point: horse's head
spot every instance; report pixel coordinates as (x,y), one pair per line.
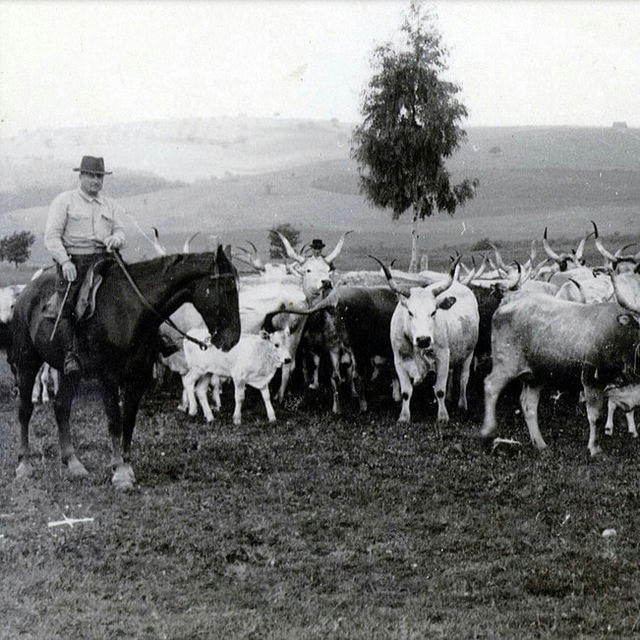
(215,296)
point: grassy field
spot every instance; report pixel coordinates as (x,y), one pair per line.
(320,527)
(317,527)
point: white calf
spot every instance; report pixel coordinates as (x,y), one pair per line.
(626,398)
(253,361)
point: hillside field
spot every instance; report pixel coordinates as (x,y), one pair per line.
(254,174)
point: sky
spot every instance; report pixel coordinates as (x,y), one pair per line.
(523,62)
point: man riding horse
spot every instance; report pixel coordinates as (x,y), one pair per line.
(117,341)
(81,227)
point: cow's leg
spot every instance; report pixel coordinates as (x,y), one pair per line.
(395,390)
(55,378)
(285,376)
(594,398)
(184,400)
(25,378)
(37,391)
(357,383)
(46,374)
(336,380)
(202,389)
(216,384)
(631,423)
(465,371)
(266,398)
(189,380)
(611,408)
(406,390)
(315,377)
(239,387)
(494,383)
(529,400)
(440,387)
(62,409)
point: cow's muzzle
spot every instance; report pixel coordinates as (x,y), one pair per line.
(423,342)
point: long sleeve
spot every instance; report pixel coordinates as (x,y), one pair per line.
(56,223)
(118,227)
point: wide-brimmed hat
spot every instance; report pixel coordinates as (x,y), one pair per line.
(317,244)
(89,164)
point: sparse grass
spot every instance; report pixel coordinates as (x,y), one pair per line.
(319,527)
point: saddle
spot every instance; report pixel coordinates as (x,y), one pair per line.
(85,302)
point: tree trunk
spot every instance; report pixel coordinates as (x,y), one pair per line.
(413,265)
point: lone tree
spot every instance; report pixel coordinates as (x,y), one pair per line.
(410,127)
(276,248)
(16,248)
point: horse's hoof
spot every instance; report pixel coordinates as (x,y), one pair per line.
(123,478)
(76,468)
(24,470)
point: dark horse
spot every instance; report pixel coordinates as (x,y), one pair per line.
(119,342)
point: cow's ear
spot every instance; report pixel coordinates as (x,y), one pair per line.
(626,319)
(447,303)
(264,334)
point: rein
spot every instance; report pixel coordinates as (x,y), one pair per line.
(147,305)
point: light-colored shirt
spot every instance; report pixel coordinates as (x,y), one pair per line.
(78,223)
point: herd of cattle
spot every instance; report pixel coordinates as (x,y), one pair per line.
(554,323)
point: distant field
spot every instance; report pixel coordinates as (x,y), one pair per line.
(263,173)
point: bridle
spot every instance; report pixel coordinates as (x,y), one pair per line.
(149,307)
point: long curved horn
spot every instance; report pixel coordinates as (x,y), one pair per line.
(580,249)
(336,252)
(403,291)
(620,251)
(548,250)
(441,287)
(291,252)
(253,256)
(535,271)
(187,242)
(499,260)
(583,298)
(513,282)
(160,250)
(599,246)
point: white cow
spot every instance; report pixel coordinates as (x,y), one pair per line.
(8,297)
(252,361)
(434,327)
(627,398)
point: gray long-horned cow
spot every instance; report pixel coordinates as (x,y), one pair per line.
(543,340)
(316,282)
(433,328)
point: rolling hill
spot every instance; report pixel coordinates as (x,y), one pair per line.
(245,175)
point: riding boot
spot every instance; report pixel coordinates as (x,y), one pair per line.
(69,340)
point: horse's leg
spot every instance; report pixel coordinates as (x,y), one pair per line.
(62,410)
(133,391)
(25,379)
(111,401)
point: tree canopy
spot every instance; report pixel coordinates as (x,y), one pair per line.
(16,248)
(411,125)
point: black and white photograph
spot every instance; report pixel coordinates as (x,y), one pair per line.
(319,319)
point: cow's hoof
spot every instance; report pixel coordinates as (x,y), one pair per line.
(24,470)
